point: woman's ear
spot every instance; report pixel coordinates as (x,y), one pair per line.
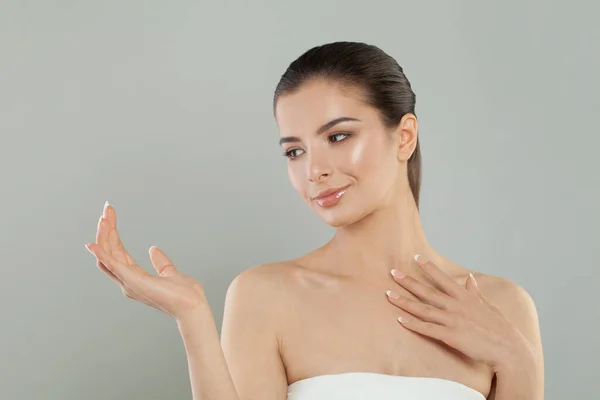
(407,132)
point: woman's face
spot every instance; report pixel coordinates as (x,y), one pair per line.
(356,156)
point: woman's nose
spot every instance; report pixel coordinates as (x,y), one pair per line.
(319,167)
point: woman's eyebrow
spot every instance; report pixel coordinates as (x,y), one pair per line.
(323,128)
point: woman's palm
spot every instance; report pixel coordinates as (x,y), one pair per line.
(170,291)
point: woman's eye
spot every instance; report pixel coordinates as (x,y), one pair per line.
(339,134)
(291,153)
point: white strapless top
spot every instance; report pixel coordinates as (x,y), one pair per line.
(376,386)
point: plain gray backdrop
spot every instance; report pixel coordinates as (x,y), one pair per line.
(164,109)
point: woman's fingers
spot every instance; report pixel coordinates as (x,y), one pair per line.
(102,240)
(107,241)
(108,273)
(424,311)
(429,329)
(126,274)
(424,292)
(442,280)
(102,235)
(113,240)
(161,262)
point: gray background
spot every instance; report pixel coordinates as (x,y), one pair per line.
(164,109)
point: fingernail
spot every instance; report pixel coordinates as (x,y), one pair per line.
(403,319)
(419,260)
(392,294)
(473,279)
(88,248)
(398,274)
(104,210)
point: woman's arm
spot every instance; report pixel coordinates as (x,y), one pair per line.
(209,375)
(250,337)
(182,298)
(519,382)
(515,378)
(248,353)
(255,310)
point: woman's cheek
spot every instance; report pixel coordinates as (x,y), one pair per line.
(363,156)
(357,153)
(296,180)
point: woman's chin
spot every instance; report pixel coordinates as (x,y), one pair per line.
(337,218)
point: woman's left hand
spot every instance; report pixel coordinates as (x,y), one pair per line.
(460,317)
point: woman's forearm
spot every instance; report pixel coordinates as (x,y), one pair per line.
(209,375)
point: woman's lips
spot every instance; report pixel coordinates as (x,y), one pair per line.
(331,199)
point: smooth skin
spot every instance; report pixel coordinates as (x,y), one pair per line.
(465,320)
(325,312)
(174,293)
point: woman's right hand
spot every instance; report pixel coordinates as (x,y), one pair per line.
(171,291)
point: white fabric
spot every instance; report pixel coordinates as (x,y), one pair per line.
(375,386)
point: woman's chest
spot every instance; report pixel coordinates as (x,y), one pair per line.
(336,331)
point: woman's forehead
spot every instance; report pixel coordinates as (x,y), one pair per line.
(308,108)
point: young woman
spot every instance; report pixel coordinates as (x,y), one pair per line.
(363,316)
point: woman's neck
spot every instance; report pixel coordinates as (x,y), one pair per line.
(387,238)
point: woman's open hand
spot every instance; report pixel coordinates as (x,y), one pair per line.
(460,317)
(171,291)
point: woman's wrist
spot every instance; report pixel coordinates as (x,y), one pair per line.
(518,380)
(518,354)
(193,316)
(520,363)
(209,374)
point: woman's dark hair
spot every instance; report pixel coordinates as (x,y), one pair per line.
(378,76)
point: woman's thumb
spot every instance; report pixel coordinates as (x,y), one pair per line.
(161,262)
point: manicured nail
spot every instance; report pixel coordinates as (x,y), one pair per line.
(403,320)
(398,274)
(392,294)
(104,211)
(473,279)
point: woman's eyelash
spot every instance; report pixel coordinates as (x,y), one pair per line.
(346,134)
(339,134)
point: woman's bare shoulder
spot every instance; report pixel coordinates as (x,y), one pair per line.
(286,271)
(501,292)
(269,279)
(512,300)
